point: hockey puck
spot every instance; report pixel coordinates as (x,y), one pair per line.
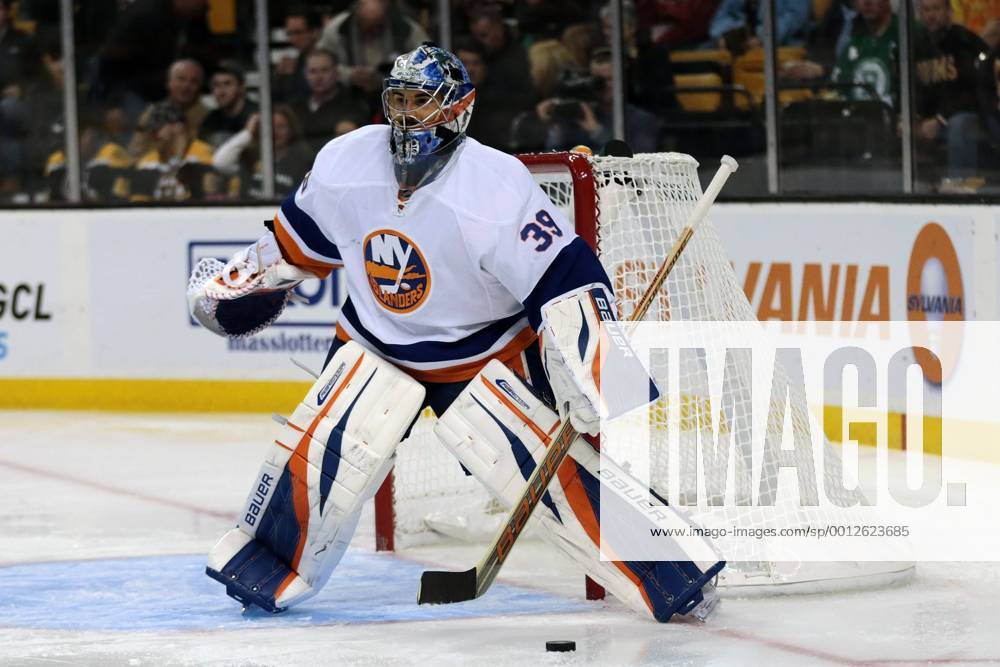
(560,646)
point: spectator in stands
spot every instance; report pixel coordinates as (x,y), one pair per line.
(981,17)
(955,92)
(738,25)
(46,119)
(21,72)
(581,113)
(825,43)
(106,164)
(677,24)
(184,82)
(506,58)
(366,40)
(178,166)
(241,154)
(20,59)
(495,109)
(871,57)
(549,61)
(147,38)
(233,110)
(581,39)
(545,19)
(648,70)
(303,26)
(331,108)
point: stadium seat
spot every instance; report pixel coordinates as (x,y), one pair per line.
(748,71)
(701,101)
(719,56)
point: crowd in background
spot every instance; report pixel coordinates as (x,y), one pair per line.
(168,91)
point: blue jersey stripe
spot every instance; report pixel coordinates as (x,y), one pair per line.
(474,344)
(308,230)
(576,265)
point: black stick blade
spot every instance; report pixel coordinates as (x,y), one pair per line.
(447,587)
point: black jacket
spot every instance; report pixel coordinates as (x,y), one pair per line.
(953,73)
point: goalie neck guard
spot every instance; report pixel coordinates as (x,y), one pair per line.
(427,99)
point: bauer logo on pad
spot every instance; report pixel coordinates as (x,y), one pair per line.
(507,389)
(325,391)
(397,271)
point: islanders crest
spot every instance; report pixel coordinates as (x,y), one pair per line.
(397,271)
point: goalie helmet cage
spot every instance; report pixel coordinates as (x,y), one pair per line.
(630,210)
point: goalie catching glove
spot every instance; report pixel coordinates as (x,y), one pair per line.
(245,295)
(571,340)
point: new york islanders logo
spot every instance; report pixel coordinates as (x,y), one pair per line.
(397,271)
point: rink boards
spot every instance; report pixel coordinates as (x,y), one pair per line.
(93,313)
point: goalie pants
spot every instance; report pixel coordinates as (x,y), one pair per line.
(440,395)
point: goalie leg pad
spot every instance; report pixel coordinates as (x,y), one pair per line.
(331,456)
(499,429)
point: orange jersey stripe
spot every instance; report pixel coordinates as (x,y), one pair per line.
(466,371)
(291,252)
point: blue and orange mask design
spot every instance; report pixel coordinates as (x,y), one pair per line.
(428,100)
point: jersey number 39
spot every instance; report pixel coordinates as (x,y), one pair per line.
(542,231)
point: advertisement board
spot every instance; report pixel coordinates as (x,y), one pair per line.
(99,295)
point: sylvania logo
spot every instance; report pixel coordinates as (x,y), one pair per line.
(397,271)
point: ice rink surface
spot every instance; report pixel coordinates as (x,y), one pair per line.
(106,520)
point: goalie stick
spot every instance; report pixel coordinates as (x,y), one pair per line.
(443,587)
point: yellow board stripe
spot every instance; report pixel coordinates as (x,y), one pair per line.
(131,395)
(128,395)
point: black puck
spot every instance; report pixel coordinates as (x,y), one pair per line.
(560,646)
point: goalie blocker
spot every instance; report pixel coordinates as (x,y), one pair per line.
(499,430)
(330,457)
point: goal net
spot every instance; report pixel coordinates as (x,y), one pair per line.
(631,210)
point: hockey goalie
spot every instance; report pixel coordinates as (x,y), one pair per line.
(457,266)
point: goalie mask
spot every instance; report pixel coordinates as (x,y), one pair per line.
(427,99)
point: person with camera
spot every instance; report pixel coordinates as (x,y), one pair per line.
(581,113)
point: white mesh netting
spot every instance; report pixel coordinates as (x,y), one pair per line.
(640,207)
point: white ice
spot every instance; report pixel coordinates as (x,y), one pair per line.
(106,519)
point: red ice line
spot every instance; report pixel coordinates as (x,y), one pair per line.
(724,632)
(168,502)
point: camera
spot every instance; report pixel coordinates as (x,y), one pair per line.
(580,87)
(564,110)
(572,91)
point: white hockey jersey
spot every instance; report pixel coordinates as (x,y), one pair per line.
(455,278)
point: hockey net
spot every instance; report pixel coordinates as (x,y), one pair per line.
(630,210)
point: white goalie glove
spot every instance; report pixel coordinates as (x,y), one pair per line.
(570,339)
(246,294)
